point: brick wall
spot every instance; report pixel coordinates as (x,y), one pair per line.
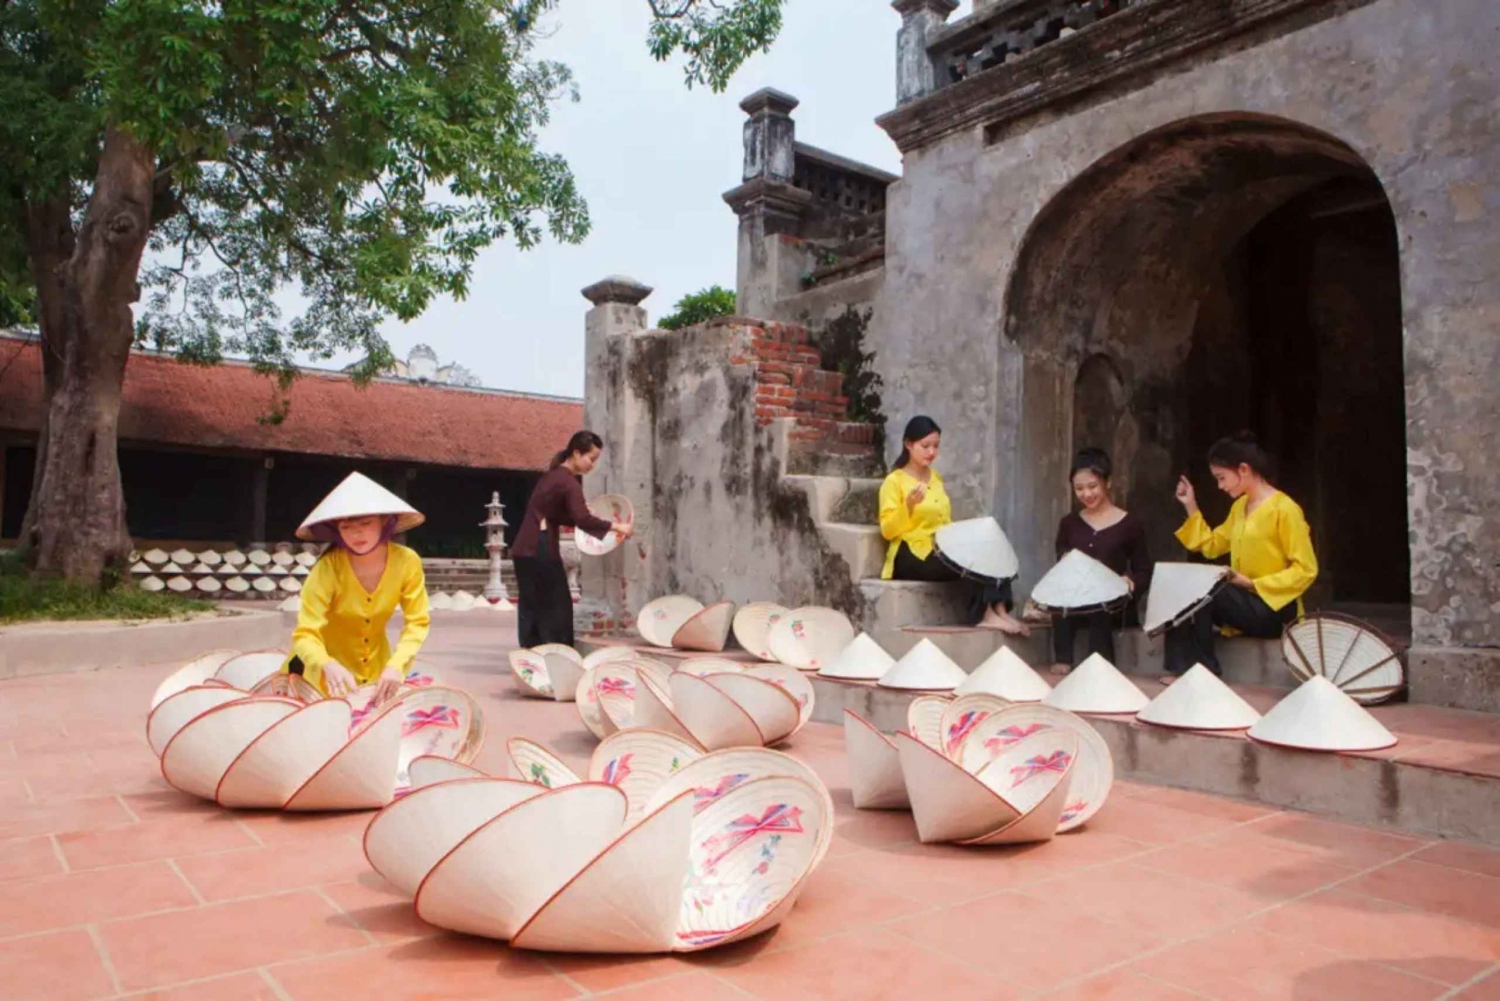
(790,382)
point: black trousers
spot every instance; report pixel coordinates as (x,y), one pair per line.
(544,605)
(1192,642)
(1101,631)
(979,596)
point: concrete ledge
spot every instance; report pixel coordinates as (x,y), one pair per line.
(1455,677)
(64,647)
(1364,788)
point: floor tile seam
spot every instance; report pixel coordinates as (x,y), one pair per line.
(103,952)
(1485,876)
(890,925)
(1042,993)
(30,792)
(134,817)
(192,887)
(1491,971)
(59,854)
(353,921)
(551,968)
(247,830)
(271,982)
(263,969)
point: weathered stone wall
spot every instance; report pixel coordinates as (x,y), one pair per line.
(1402,85)
(699,425)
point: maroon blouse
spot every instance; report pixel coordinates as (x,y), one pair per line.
(557,499)
(1121,546)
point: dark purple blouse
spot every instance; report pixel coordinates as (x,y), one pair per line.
(1121,546)
(557,498)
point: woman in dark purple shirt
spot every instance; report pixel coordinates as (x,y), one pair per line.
(1109,534)
(544,608)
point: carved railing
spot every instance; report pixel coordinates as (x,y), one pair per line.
(1006,31)
(839,186)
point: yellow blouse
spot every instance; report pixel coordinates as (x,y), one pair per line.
(342,621)
(915,528)
(1272,546)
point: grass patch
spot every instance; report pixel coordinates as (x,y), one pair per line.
(25,600)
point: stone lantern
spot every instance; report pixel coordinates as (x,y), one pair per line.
(494,526)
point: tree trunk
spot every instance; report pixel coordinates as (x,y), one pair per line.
(77,516)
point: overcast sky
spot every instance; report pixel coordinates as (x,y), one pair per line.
(654,159)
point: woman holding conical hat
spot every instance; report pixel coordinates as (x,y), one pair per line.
(354,589)
(1270,553)
(913,506)
(1110,534)
(544,609)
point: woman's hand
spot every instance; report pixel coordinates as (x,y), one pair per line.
(1130,584)
(623,529)
(390,683)
(338,680)
(1186,495)
(918,493)
(1240,580)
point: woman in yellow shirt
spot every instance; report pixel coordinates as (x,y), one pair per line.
(1270,551)
(913,506)
(354,589)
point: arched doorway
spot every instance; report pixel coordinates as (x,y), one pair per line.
(1225,272)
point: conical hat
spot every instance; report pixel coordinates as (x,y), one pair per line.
(1008,676)
(211,557)
(530,669)
(194,672)
(238,585)
(277,570)
(947,802)
(1096,686)
(653,710)
(246,670)
(463,601)
(563,671)
(156,557)
(299,571)
(713,718)
(977,548)
(1350,653)
(170,568)
(362,775)
(260,558)
(179,584)
(752,627)
(1034,776)
(141,567)
(924,668)
(639,762)
(586,701)
(264,585)
(306,560)
(707,630)
(960,718)
(437,720)
(182,707)
(1199,700)
(1319,717)
(796,684)
(292,604)
(924,719)
(704,666)
(1093,771)
(429,769)
(1177,591)
(862,660)
(874,766)
(1079,581)
(809,637)
(534,763)
(282,558)
(290,585)
(612,508)
(608,653)
(660,619)
(200,568)
(284,756)
(183,557)
(153,583)
(358,497)
(202,750)
(209,585)
(251,570)
(235,558)
(616,683)
(774,710)
(442,601)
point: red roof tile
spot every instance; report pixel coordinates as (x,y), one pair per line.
(219,407)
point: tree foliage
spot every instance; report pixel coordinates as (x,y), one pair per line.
(705,304)
(716,36)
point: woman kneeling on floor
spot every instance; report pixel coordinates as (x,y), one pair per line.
(913,506)
(1270,551)
(354,589)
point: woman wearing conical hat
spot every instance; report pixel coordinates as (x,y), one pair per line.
(913,506)
(1110,534)
(354,589)
(544,610)
(1270,551)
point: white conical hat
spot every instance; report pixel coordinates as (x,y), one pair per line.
(300,571)
(235,558)
(251,570)
(358,497)
(238,585)
(978,547)
(659,620)
(809,637)
(707,630)
(752,627)
(612,508)
(1199,700)
(306,559)
(1008,676)
(1079,581)
(152,583)
(1096,686)
(282,558)
(211,557)
(260,557)
(1178,590)
(924,719)
(182,557)
(156,557)
(170,567)
(875,779)
(264,585)
(141,567)
(291,604)
(463,601)
(1319,717)
(1350,653)
(862,660)
(442,601)
(290,585)
(277,570)
(924,668)
(209,585)
(179,584)
(201,568)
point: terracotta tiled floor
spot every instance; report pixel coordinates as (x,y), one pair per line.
(113,885)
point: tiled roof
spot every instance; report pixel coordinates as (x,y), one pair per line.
(221,407)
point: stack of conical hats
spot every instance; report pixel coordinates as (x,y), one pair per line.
(1005,674)
(1199,700)
(1097,686)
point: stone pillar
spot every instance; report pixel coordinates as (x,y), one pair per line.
(258,493)
(916,74)
(613,586)
(771,260)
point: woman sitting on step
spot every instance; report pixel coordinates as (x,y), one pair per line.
(1270,551)
(354,589)
(913,506)
(1109,534)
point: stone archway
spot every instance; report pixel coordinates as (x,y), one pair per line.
(1227,271)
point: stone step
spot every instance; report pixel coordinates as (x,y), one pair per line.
(860,545)
(1442,778)
(839,498)
(825,458)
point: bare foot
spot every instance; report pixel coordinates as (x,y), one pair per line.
(1060,669)
(1167,679)
(1010,625)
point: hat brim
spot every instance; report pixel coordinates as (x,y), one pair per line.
(405,522)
